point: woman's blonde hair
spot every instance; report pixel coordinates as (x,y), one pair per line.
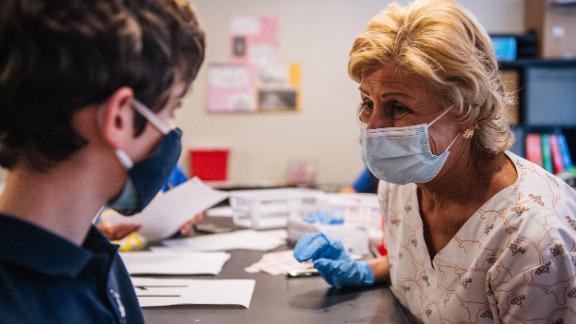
(443,43)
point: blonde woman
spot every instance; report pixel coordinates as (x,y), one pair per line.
(475,233)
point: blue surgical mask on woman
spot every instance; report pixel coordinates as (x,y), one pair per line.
(146,178)
(402,155)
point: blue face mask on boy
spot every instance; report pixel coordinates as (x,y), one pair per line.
(146,178)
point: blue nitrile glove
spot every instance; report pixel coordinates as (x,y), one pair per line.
(322,218)
(332,261)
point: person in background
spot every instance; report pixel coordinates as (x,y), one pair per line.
(88,91)
(177,177)
(475,234)
(365,183)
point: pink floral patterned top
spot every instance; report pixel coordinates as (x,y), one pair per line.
(513,261)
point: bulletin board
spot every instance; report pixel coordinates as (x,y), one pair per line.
(255,79)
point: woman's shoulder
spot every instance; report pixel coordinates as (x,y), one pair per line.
(538,201)
(541,190)
(539,224)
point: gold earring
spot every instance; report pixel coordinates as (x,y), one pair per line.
(468,133)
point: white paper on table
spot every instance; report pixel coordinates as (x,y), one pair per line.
(170,263)
(226,212)
(240,240)
(277,263)
(170,210)
(153,292)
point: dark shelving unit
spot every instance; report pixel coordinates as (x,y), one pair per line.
(546,99)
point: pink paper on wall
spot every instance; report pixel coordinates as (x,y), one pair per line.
(231,88)
(254,39)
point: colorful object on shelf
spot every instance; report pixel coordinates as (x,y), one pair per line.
(546,153)
(504,47)
(550,151)
(556,156)
(534,149)
(209,164)
(564,151)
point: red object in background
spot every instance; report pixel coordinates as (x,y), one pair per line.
(382,250)
(382,247)
(209,164)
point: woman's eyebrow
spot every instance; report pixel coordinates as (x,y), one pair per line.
(386,94)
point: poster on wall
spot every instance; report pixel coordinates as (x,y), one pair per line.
(231,88)
(279,87)
(255,79)
(254,40)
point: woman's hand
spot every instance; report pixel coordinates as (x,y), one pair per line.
(332,261)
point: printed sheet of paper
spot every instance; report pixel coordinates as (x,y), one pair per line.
(170,210)
(170,263)
(240,240)
(278,263)
(154,292)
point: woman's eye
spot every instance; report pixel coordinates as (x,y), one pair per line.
(397,110)
(366,106)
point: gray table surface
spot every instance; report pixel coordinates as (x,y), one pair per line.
(277,299)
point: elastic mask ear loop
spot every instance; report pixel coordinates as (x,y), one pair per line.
(436,119)
(439,116)
(124,159)
(451,143)
(150,116)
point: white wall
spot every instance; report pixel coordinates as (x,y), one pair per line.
(317,34)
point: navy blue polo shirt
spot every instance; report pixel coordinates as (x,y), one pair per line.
(47,279)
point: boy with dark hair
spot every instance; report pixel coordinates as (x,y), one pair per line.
(87,95)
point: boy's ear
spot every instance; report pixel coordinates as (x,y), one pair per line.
(117,119)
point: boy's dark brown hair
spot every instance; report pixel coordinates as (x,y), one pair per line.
(59,56)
